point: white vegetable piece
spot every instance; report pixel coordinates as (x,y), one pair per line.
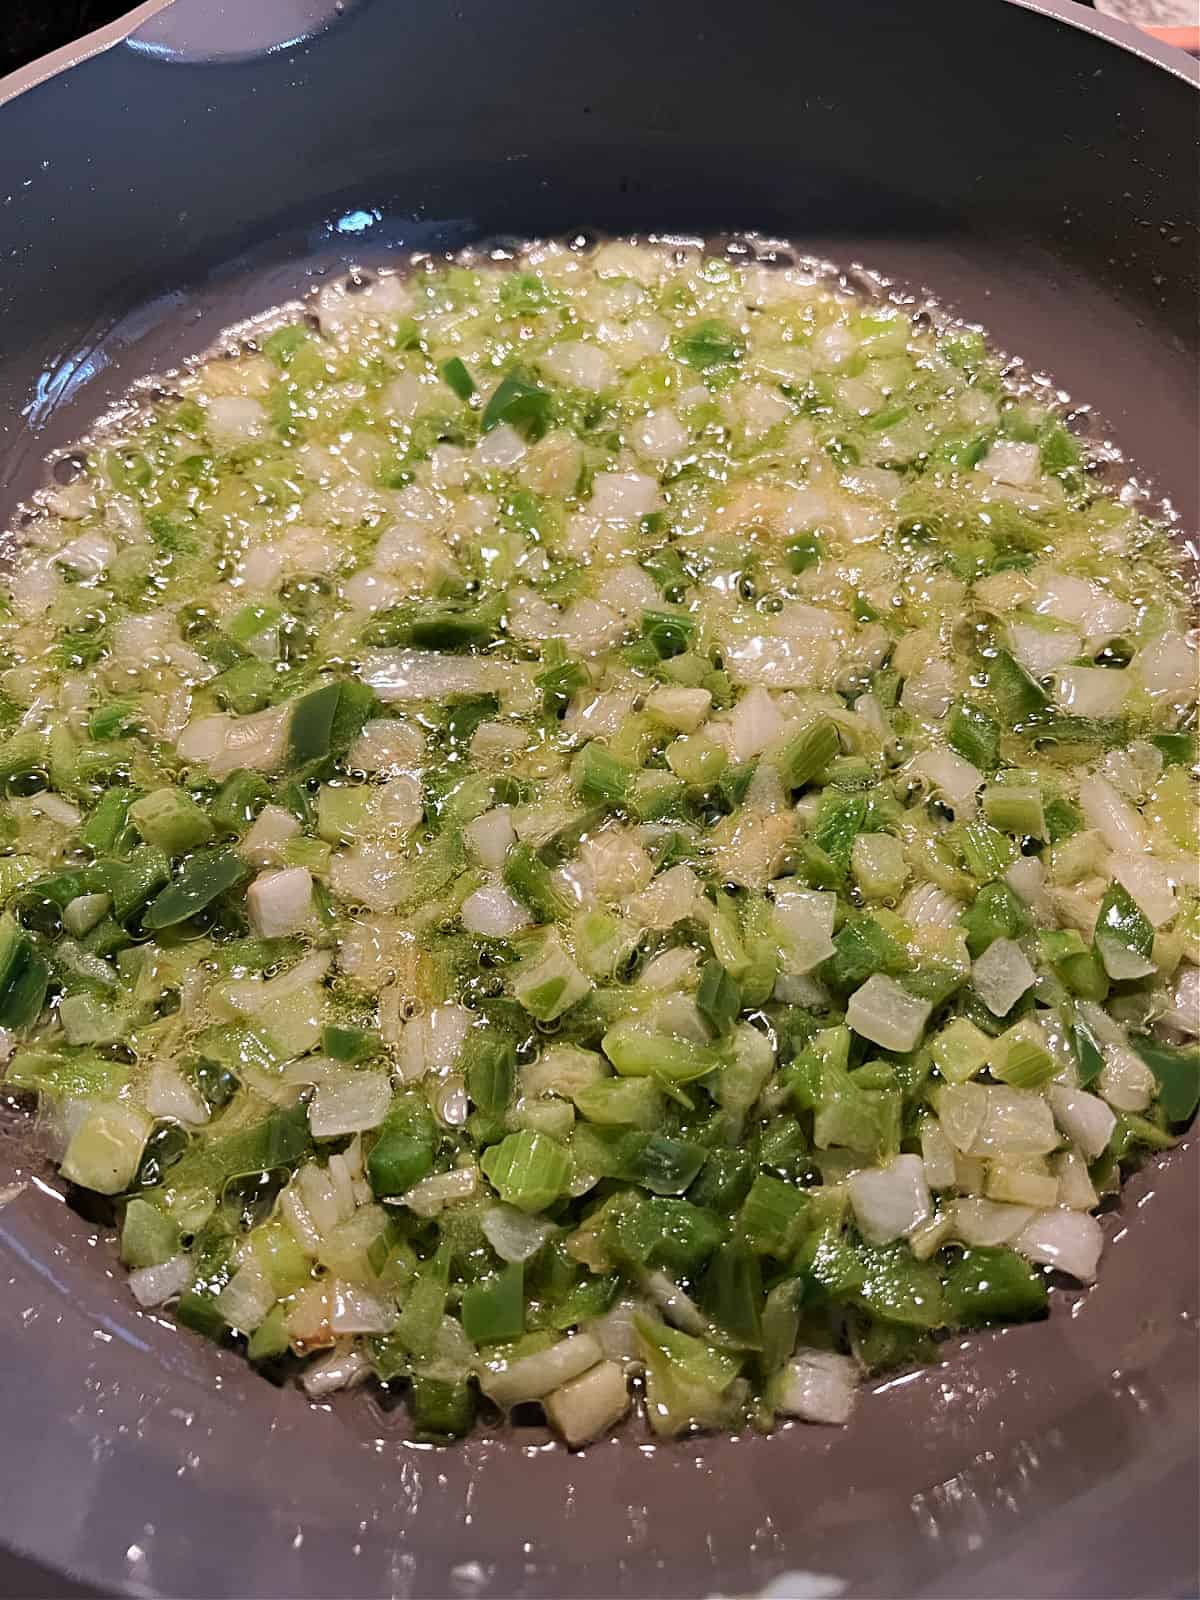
(234,419)
(341,1369)
(431,1196)
(1149,883)
(1085,1119)
(805,919)
(349,1102)
(407,675)
(680,708)
(582,365)
(1069,1240)
(1001,975)
(531,1377)
(514,1235)
(817,1386)
(890,1201)
(270,832)
(1013,463)
(1118,824)
(493,912)
(988,1222)
(280,903)
(887,1014)
(154,1286)
(623,496)
(491,836)
(954,780)
(660,436)
(755,721)
(586,1406)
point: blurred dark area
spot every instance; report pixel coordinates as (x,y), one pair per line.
(29,28)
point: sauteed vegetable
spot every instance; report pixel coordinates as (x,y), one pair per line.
(615,821)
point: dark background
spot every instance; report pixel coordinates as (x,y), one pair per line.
(29,28)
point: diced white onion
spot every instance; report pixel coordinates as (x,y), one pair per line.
(280,903)
(246,1298)
(954,780)
(805,919)
(406,675)
(1149,883)
(590,1404)
(341,1369)
(1085,1118)
(154,1286)
(271,830)
(1126,1082)
(356,1310)
(584,366)
(502,447)
(1120,826)
(890,1201)
(755,721)
(234,419)
(1071,1241)
(171,1096)
(512,1234)
(1011,462)
(988,1222)
(927,906)
(432,1195)
(623,496)
(1168,668)
(351,1102)
(660,436)
(493,912)
(1001,975)
(1091,691)
(1041,649)
(887,1014)
(818,1386)
(531,1377)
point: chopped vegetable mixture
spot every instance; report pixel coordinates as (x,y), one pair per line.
(604,824)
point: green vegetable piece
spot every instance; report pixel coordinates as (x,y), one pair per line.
(724,1180)
(344,1043)
(601,778)
(996,913)
(239,800)
(773,1215)
(663,1232)
(1177,1071)
(1124,935)
(327,721)
(530,880)
(148,1236)
(1176,749)
(172,820)
(732,1294)
(709,345)
(203,878)
(974,735)
(803,552)
(990,1284)
(670,632)
(107,822)
(489,1065)
(441,1408)
(1016,694)
(493,1309)
(687,1381)
(529,1170)
(806,756)
(559,684)
(523,405)
(24,978)
(719,997)
(130,883)
(454,372)
(862,947)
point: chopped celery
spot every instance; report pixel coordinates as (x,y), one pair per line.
(528,1170)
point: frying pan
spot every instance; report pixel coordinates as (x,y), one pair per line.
(1030,164)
